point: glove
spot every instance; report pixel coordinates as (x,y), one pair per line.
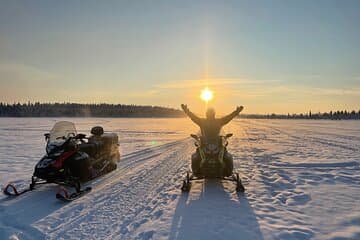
(239,109)
(184,108)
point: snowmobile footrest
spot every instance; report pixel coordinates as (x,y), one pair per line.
(64,195)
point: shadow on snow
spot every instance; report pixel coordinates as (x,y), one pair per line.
(213,210)
(18,215)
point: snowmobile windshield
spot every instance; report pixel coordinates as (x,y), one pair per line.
(62,131)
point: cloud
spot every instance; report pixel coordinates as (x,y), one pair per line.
(252,89)
(20,82)
(141,94)
(20,73)
(317,91)
(212,82)
(266,91)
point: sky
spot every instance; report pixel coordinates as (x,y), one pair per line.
(269,56)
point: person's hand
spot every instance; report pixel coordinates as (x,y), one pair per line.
(184,107)
(239,109)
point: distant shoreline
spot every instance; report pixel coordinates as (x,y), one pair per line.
(87,117)
(104,110)
(165,117)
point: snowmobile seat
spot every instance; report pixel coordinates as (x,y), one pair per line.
(89,148)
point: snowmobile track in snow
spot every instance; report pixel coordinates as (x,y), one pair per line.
(123,196)
(297,176)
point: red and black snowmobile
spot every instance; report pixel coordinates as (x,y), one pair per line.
(72,159)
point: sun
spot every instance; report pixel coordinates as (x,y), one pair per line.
(206,94)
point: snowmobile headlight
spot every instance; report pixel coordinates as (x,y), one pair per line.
(207,150)
(57,154)
(212,149)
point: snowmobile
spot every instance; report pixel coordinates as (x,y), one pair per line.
(212,165)
(72,159)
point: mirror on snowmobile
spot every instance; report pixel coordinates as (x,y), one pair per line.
(47,136)
(81,136)
(194,136)
(228,135)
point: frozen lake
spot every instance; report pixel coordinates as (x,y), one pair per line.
(302,179)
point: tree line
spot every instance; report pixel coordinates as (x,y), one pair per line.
(38,109)
(332,115)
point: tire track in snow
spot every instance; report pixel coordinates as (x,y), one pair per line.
(282,188)
(271,190)
(313,139)
(123,196)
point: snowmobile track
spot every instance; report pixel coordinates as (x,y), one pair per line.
(123,196)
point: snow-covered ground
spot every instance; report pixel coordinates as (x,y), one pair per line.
(302,180)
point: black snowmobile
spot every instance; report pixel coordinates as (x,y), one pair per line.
(72,159)
(212,164)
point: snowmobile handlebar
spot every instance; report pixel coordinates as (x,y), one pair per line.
(47,136)
(196,137)
(80,136)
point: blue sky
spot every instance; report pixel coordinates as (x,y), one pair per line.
(270,56)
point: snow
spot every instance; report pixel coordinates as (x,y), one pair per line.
(302,181)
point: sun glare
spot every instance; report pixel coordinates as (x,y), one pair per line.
(206,94)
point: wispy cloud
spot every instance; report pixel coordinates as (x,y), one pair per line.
(213,82)
(24,73)
(266,91)
(315,90)
(19,82)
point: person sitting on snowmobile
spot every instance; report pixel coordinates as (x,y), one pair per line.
(210,129)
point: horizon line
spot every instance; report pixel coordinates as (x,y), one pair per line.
(178,109)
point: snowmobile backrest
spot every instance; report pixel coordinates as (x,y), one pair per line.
(110,139)
(97,131)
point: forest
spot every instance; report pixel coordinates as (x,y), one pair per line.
(38,109)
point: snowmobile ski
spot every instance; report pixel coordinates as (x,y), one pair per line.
(186,186)
(239,186)
(65,196)
(186,183)
(11,190)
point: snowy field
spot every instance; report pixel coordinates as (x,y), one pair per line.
(302,180)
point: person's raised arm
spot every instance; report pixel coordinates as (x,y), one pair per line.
(191,115)
(228,118)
